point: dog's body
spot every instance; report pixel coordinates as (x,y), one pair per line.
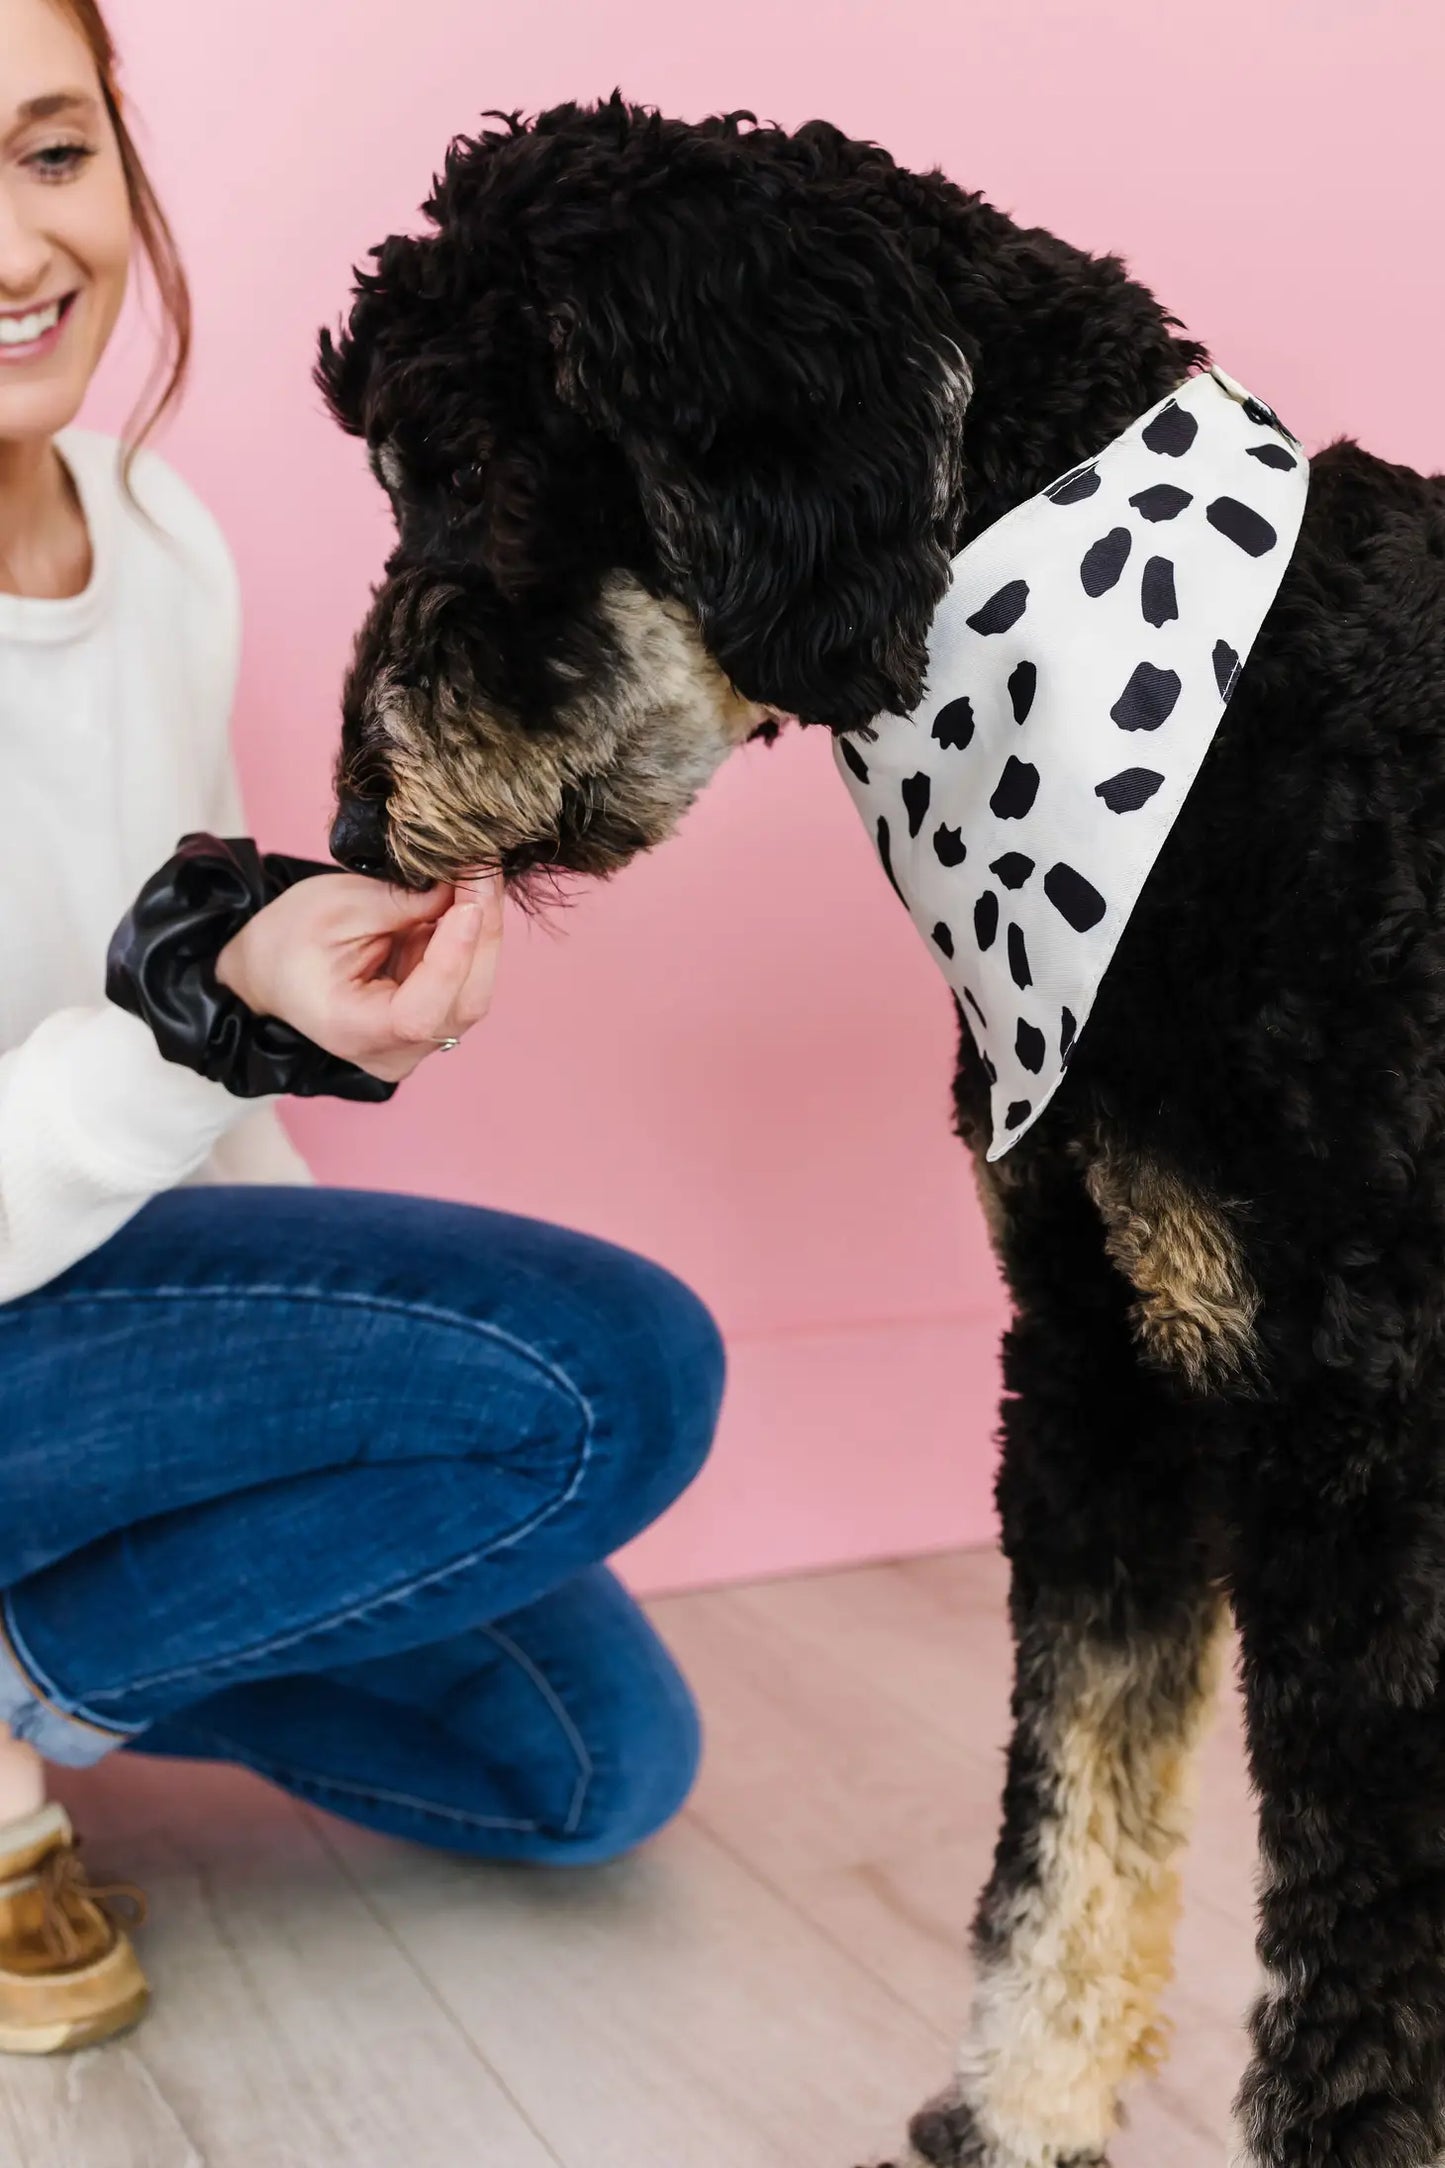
(734,400)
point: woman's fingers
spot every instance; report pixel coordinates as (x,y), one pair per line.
(401,909)
(487,890)
(407,952)
(410,969)
(450,986)
(366,909)
(476,995)
(408,949)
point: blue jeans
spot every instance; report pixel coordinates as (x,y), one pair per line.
(319,1483)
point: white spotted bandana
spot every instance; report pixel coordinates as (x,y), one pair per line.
(1078,669)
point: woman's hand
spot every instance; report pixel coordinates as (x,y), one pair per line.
(379,976)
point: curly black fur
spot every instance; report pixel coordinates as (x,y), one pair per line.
(733,364)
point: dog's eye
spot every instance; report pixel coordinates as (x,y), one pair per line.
(470,480)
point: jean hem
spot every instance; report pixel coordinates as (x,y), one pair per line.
(33,1713)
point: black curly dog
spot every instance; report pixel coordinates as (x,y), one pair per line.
(682,426)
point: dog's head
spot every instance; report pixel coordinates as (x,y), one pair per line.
(671,421)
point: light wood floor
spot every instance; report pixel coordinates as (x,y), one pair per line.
(776,1984)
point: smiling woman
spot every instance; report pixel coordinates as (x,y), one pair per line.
(80,251)
(313,1482)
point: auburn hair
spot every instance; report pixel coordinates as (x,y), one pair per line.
(157,242)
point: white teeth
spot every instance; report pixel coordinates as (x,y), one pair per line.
(25,330)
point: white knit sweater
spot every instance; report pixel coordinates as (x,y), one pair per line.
(114,715)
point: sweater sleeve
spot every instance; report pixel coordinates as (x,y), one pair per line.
(93,1123)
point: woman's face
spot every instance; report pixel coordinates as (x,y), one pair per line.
(65,222)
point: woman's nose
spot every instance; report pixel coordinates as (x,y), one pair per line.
(359,840)
(24,254)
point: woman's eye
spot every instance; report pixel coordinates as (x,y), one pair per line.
(60,161)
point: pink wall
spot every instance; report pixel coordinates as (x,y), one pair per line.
(737,1058)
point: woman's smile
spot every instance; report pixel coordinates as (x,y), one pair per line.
(32,333)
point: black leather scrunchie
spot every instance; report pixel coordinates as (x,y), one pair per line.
(162,968)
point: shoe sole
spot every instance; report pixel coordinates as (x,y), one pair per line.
(74,2033)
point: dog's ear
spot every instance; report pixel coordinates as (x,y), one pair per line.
(776,369)
(395,301)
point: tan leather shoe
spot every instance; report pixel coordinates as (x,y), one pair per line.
(68,1974)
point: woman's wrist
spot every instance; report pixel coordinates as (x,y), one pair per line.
(231,973)
(163,967)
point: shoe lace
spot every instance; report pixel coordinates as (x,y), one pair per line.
(65,1886)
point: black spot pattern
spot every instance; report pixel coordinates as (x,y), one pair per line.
(1130,789)
(1172,431)
(1105,560)
(953,725)
(1273,455)
(1030,1046)
(1059,917)
(1226,668)
(1148,699)
(1075,487)
(1164,500)
(1264,417)
(1074,898)
(917,792)
(1157,598)
(885,853)
(1002,610)
(1018,787)
(1243,525)
(854,759)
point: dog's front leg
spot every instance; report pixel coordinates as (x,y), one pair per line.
(1115,1612)
(1073,1943)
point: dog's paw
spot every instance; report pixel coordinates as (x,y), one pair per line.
(946,2134)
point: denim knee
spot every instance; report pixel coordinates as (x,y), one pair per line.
(662,1365)
(647,1786)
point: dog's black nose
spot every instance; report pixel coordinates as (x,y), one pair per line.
(359,840)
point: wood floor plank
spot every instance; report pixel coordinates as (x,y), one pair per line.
(669,2012)
(970,1581)
(289,2028)
(803,1748)
(103,2109)
(948,1668)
